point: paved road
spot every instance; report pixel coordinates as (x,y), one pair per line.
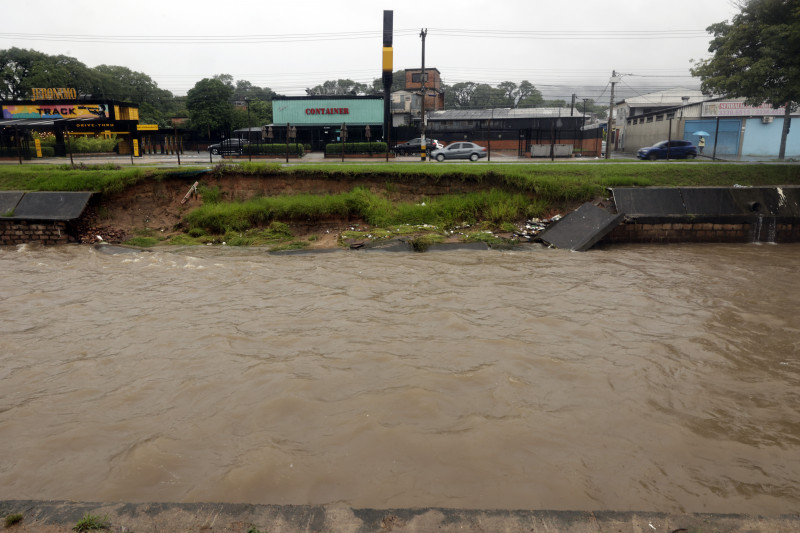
(204,158)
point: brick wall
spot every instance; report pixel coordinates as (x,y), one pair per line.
(768,231)
(25,231)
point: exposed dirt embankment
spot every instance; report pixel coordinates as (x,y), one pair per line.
(156,204)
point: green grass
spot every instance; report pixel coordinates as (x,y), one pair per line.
(500,194)
(12,519)
(445,211)
(142,242)
(554,181)
(91,522)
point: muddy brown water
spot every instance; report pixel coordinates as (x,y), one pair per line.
(662,378)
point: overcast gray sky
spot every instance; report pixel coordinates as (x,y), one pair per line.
(561,46)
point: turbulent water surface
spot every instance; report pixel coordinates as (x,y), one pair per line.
(659,378)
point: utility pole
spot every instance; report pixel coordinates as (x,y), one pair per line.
(423,144)
(614,80)
(388,53)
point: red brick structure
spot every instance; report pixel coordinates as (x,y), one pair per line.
(27,231)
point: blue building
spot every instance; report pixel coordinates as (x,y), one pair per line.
(735,130)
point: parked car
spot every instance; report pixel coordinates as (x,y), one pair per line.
(677,150)
(414,146)
(228,146)
(461,150)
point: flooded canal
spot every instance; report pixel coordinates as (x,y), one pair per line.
(662,378)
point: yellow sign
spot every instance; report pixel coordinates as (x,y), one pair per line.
(38,144)
(146,127)
(136,148)
(388,54)
(54,94)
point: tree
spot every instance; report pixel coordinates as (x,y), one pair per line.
(590,107)
(340,87)
(21,70)
(209,105)
(486,96)
(528,95)
(260,115)
(122,83)
(398,83)
(247,91)
(757,56)
(462,93)
(510,90)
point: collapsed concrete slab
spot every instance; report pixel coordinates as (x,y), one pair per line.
(581,229)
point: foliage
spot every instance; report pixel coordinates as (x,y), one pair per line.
(21,70)
(209,105)
(142,242)
(757,55)
(445,211)
(340,87)
(90,522)
(589,106)
(247,91)
(421,243)
(65,178)
(295,149)
(259,115)
(86,144)
(356,148)
(507,94)
(398,83)
(12,519)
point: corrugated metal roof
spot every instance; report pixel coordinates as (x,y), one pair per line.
(670,97)
(502,113)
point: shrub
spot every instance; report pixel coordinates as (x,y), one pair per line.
(85,144)
(356,148)
(90,522)
(274,149)
(13,518)
(48,151)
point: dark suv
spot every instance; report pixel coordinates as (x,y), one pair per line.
(228,146)
(677,150)
(414,146)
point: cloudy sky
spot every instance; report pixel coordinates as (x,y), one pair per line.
(561,46)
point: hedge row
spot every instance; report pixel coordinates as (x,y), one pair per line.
(274,149)
(357,148)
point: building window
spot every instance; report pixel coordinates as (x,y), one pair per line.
(649,120)
(671,115)
(659,118)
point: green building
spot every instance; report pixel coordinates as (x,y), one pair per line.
(318,120)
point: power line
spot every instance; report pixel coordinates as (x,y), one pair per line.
(342,36)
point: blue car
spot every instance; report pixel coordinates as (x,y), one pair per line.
(677,150)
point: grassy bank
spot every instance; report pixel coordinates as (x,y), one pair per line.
(557,180)
(501,194)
